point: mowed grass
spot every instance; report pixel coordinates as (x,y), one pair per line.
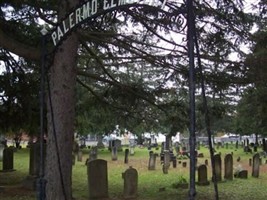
(149,182)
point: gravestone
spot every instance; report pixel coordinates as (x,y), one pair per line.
(255,148)
(115,143)
(203,175)
(177,148)
(242,174)
(250,162)
(256,165)
(126,156)
(174,161)
(228,167)
(2,147)
(152,161)
(93,153)
(34,159)
(8,159)
(132,146)
(130,177)
(80,156)
(132,152)
(114,153)
(100,144)
(97,173)
(236,144)
(218,167)
(166,162)
(30,182)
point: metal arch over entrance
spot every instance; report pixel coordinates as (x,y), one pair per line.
(91,9)
(94,8)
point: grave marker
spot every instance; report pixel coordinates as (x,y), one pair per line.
(152,160)
(93,154)
(8,159)
(80,156)
(130,177)
(126,156)
(166,162)
(203,175)
(256,165)
(114,153)
(228,167)
(218,167)
(97,179)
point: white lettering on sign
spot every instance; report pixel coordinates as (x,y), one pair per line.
(89,9)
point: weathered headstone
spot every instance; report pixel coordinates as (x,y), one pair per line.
(174,161)
(236,144)
(34,164)
(30,182)
(177,148)
(228,167)
(100,144)
(152,160)
(80,156)
(132,146)
(242,174)
(132,152)
(115,143)
(218,167)
(130,177)
(166,162)
(93,153)
(97,179)
(126,156)
(114,153)
(8,159)
(203,175)
(256,165)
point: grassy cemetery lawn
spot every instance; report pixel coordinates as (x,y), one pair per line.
(152,185)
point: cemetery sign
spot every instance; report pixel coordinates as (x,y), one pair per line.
(93,8)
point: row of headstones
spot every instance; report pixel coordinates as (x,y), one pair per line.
(114,154)
(8,163)
(166,158)
(97,170)
(228,169)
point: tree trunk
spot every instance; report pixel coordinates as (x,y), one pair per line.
(61,116)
